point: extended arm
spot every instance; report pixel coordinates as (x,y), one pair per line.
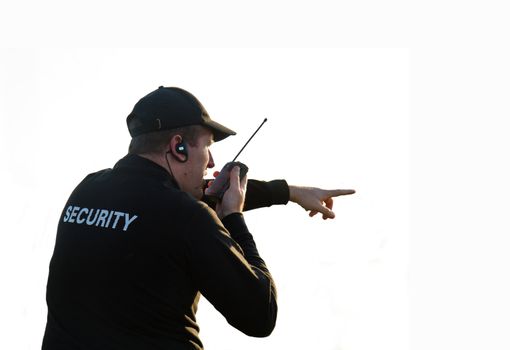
(261,194)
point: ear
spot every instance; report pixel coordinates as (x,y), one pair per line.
(175,149)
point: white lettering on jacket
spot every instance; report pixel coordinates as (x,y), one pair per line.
(98,217)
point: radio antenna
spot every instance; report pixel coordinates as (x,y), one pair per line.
(265,120)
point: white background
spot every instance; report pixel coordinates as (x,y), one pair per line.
(336,119)
(441,136)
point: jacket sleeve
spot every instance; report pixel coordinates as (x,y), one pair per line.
(265,193)
(261,194)
(229,272)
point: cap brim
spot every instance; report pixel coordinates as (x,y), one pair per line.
(219,131)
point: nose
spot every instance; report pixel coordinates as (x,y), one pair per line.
(210,164)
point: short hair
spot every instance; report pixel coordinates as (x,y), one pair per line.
(157,141)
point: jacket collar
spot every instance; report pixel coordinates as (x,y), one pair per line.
(136,163)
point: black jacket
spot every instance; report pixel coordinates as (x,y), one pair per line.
(133,253)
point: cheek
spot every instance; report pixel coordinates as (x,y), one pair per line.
(205,158)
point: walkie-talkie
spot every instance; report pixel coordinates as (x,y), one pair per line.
(222,182)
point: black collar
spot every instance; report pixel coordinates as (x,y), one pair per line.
(136,163)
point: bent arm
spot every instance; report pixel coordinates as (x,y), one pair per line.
(228,270)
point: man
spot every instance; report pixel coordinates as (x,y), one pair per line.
(136,246)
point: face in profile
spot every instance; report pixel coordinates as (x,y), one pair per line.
(195,168)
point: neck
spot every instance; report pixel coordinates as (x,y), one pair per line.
(161,160)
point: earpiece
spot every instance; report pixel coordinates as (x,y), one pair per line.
(180,148)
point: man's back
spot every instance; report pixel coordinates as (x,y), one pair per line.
(119,265)
(132,253)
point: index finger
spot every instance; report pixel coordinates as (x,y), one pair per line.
(234,176)
(336,193)
(244,182)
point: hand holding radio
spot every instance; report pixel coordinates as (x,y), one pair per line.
(222,182)
(220,185)
(233,198)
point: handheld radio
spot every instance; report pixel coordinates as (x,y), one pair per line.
(222,182)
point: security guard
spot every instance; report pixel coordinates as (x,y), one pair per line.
(136,246)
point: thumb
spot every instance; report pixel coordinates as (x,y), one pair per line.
(234,177)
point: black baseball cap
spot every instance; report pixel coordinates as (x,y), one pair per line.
(169,108)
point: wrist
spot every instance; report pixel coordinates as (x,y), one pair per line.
(230,208)
(227,213)
(293,193)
